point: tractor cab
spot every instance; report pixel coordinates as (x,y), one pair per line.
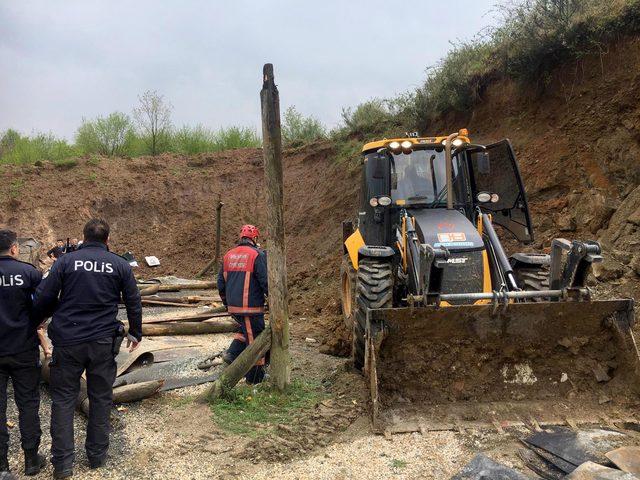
(412,172)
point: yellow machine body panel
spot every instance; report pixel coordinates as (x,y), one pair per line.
(353,244)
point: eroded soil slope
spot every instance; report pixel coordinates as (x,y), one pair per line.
(577,136)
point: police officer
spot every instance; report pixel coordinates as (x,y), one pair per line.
(243,286)
(19,357)
(83,289)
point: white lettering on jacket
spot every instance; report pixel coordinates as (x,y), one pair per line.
(11,281)
(93,267)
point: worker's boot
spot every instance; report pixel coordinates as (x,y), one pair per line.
(97,462)
(33,462)
(4,463)
(60,474)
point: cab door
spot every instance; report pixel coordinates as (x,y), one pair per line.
(499,174)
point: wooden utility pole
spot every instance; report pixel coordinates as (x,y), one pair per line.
(276,254)
(216,259)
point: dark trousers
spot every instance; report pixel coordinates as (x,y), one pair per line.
(24,371)
(250,328)
(67,365)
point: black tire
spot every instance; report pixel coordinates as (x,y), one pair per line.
(348,291)
(374,290)
(532,278)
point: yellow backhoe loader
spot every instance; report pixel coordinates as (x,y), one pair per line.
(447,328)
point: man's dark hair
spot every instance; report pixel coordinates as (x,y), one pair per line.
(96,230)
(8,238)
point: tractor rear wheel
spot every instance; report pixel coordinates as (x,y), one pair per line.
(348,290)
(532,278)
(374,290)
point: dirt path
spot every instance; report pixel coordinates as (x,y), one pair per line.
(171,436)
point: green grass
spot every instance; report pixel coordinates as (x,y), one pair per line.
(397,464)
(15,188)
(193,140)
(255,411)
(65,163)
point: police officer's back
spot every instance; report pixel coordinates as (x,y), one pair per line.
(82,290)
(19,356)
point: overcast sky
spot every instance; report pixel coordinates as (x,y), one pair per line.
(61,61)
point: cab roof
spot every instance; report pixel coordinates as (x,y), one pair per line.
(375,145)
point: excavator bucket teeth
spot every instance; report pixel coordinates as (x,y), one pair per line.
(563,352)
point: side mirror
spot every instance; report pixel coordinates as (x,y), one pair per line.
(484,164)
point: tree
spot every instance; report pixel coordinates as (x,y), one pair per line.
(153,117)
(110,136)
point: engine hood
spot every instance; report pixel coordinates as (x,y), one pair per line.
(440,227)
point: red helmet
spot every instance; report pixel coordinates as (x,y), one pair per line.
(249,231)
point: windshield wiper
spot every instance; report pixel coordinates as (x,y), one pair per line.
(439,198)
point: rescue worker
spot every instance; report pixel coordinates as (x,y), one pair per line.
(242,284)
(19,356)
(86,336)
(57,251)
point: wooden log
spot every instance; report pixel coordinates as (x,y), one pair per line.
(189,328)
(186,299)
(276,259)
(176,287)
(216,258)
(199,316)
(146,290)
(160,303)
(137,391)
(240,367)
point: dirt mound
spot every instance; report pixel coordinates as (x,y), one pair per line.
(165,206)
(577,139)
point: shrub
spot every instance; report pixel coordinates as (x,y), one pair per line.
(193,140)
(298,129)
(111,136)
(373,116)
(8,141)
(236,137)
(36,148)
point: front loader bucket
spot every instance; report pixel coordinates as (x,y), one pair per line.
(535,360)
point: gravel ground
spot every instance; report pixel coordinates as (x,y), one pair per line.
(140,426)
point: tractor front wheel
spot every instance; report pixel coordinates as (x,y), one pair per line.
(374,289)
